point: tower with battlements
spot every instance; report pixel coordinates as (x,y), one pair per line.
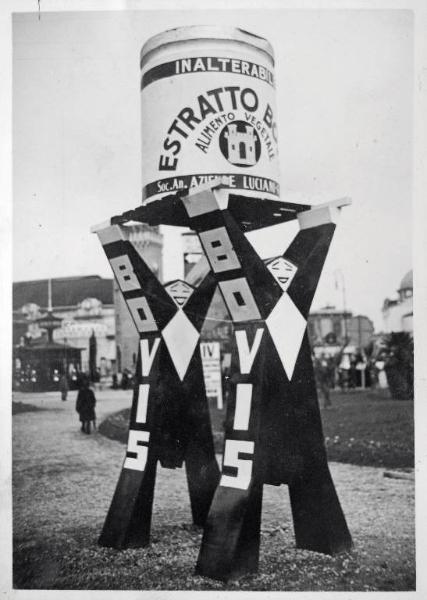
(241,145)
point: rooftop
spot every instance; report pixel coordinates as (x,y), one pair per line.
(66,291)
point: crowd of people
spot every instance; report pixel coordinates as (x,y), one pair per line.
(346,372)
(343,371)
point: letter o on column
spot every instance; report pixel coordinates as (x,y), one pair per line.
(239,299)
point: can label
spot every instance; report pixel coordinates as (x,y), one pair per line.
(208,116)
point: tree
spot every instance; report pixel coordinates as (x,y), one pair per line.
(399,364)
(92,356)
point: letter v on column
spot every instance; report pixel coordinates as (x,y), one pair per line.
(247,355)
(147,357)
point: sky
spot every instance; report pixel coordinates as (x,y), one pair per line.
(344,98)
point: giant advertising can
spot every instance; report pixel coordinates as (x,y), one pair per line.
(208,110)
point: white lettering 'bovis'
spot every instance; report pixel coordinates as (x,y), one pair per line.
(242,414)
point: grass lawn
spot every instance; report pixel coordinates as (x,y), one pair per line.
(20,407)
(366,428)
(361,428)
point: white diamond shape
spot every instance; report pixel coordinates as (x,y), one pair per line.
(287,326)
(181,339)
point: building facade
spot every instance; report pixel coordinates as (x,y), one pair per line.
(84,306)
(398,312)
(330,330)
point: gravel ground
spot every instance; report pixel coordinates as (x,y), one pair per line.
(63,482)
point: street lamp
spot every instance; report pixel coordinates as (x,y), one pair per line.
(65,357)
(341,274)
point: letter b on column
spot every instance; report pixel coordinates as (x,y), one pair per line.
(219,250)
(125,275)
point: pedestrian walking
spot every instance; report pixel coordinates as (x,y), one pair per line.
(63,387)
(85,406)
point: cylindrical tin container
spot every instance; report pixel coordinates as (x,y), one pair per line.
(208,109)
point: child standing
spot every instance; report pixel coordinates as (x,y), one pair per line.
(85,405)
